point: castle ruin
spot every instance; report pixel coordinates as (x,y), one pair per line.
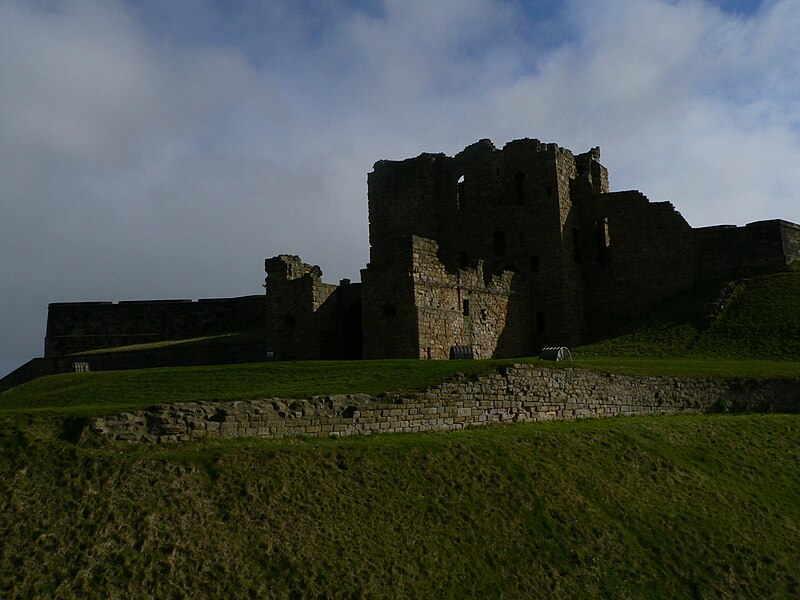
(500,252)
(489,253)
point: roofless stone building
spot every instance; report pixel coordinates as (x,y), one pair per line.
(489,253)
(500,252)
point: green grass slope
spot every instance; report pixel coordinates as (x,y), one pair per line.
(97,393)
(669,507)
(103,392)
(757,318)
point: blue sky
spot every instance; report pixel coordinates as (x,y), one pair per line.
(164,148)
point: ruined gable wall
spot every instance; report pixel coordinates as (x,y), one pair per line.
(295,291)
(636,254)
(581,178)
(403,201)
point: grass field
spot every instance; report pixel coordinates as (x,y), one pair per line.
(668,507)
(662,507)
(99,393)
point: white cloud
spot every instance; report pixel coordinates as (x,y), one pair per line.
(157,150)
(681,98)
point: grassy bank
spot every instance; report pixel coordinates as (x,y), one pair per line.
(757,317)
(661,507)
(111,391)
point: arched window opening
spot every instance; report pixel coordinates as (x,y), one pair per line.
(460,193)
(465,307)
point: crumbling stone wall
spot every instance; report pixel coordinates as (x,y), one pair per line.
(517,393)
(636,254)
(464,309)
(308,318)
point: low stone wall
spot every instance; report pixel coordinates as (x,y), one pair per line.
(513,393)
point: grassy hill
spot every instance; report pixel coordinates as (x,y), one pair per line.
(667,507)
(758,317)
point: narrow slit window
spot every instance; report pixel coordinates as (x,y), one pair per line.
(603,240)
(499,243)
(460,194)
(465,307)
(519,188)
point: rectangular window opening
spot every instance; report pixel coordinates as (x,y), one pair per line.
(534,264)
(519,188)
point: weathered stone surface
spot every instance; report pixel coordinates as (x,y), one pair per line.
(550,394)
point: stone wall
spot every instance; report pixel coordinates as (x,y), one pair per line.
(635,254)
(517,393)
(512,209)
(80,326)
(790,234)
(248,347)
(309,319)
(466,308)
(389,315)
(726,251)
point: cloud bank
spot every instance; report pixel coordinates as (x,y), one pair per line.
(163,149)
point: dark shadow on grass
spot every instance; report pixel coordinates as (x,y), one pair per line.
(73,429)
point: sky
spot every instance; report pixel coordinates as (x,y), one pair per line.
(163,148)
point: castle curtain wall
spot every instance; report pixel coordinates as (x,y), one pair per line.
(637,254)
(80,326)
